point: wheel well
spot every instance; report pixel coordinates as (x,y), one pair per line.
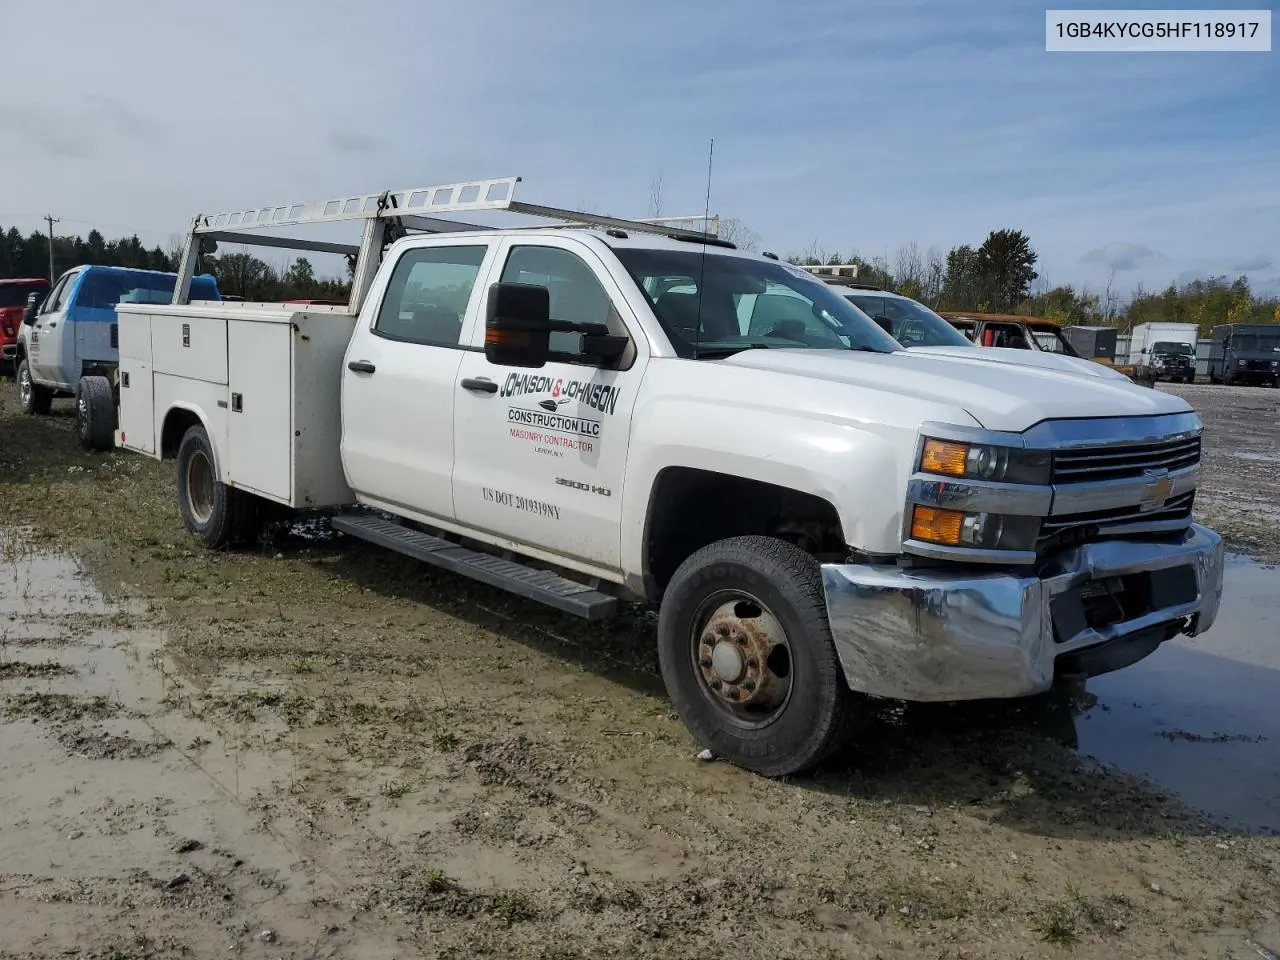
(176,424)
(690,508)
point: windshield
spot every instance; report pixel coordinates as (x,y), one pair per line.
(746,304)
(1052,341)
(15,294)
(912,324)
(1171,346)
(1266,342)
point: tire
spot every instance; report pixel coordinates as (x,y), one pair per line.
(784,586)
(220,515)
(95,414)
(35,399)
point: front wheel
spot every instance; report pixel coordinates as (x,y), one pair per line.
(218,514)
(34,398)
(748,659)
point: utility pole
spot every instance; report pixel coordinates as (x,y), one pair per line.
(52,221)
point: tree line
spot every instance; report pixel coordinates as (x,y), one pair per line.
(997,277)
(238,274)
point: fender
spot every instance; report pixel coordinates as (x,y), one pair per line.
(200,415)
(813,437)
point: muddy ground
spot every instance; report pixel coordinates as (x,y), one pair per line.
(1239,494)
(316,749)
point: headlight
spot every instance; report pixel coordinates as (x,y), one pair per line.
(985,531)
(977,461)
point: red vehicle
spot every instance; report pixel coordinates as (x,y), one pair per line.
(13,301)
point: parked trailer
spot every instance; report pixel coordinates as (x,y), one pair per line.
(1245,353)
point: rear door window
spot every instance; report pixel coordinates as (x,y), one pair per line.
(427,295)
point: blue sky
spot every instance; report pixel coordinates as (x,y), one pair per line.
(849,125)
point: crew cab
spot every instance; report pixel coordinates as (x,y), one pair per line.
(67,343)
(599,411)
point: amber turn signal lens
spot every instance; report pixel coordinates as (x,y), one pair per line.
(943,457)
(506,338)
(936,526)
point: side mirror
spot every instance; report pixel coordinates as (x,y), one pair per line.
(517,325)
(29,312)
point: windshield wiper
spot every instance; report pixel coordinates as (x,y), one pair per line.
(699,352)
(722,352)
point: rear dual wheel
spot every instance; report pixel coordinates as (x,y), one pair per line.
(748,659)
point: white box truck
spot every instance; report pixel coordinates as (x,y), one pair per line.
(593,411)
(1168,350)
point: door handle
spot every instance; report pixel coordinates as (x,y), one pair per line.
(484,386)
(361,366)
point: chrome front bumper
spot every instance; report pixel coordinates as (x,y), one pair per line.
(933,634)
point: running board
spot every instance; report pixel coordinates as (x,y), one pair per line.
(541,585)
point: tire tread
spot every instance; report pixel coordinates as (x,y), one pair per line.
(797,576)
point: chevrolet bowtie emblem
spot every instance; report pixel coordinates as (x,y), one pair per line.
(1158,489)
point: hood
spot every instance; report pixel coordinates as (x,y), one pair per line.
(1027,358)
(1014,397)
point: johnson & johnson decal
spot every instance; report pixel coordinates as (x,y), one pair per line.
(602,397)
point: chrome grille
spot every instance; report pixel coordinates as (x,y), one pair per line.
(1101,522)
(1118,462)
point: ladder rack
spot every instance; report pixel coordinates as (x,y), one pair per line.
(844,270)
(394,213)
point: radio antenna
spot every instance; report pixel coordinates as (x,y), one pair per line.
(702,267)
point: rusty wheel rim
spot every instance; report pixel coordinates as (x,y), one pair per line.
(742,656)
(200,487)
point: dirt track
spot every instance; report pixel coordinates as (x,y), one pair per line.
(315,749)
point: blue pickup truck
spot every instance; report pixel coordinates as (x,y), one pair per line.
(67,344)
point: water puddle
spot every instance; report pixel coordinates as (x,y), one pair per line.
(107,785)
(1200,716)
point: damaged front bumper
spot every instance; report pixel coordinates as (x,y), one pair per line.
(937,634)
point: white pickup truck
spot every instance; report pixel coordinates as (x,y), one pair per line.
(599,411)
